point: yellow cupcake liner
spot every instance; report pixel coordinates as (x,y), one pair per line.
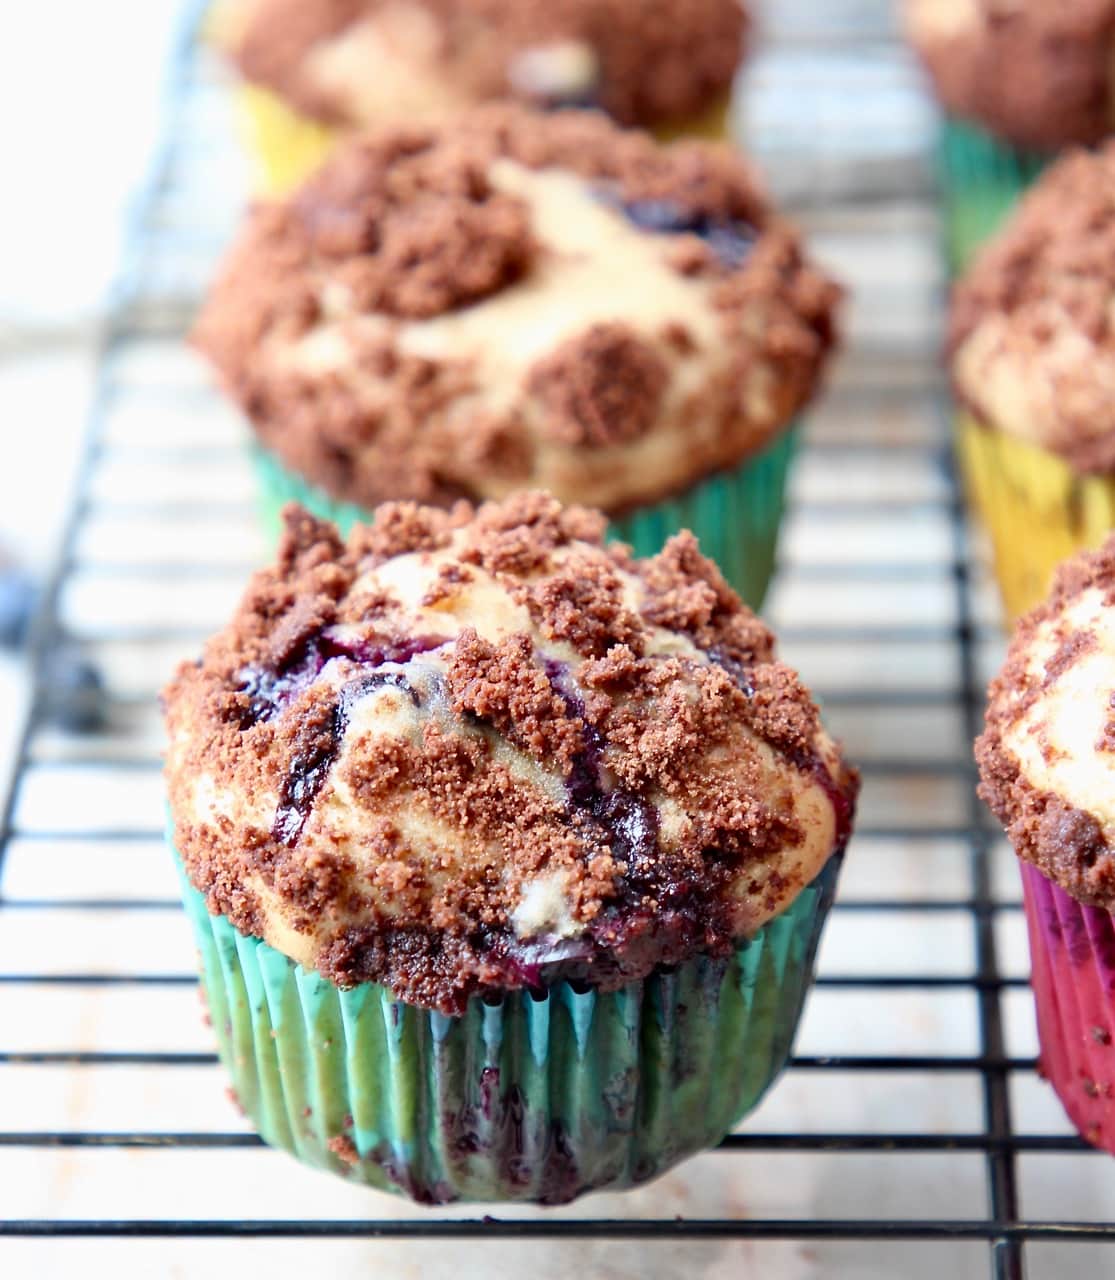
(220,24)
(1036,509)
(714,124)
(285,145)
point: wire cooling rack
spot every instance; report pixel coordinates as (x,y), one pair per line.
(910,1135)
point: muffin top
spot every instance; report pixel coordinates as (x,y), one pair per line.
(1032,329)
(472,752)
(1047,755)
(515,301)
(371,62)
(1035,73)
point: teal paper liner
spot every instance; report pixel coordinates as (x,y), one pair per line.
(533,1097)
(735,514)
(277,486)
(981,181)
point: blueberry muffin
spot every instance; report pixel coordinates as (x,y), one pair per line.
(1048,774)
(1019,80)
(506,852)
(1034,74)
(520,300)
(314,69)
(1032,352)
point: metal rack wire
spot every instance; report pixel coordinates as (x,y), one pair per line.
(908,1134)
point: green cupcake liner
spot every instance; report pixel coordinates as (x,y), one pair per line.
(735,514)
(534,1097)
(981,180)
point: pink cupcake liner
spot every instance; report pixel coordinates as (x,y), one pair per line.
(1072,949)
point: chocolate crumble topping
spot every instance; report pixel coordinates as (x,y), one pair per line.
(504,686)
(602,387)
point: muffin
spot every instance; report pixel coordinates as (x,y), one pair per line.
(315,68)
(519,301)
(1032,351)
(1019,82)
(506,852)
(1047,772)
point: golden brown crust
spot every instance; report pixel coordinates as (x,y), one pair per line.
(1033,73)
(659,60)
(1050,274)
(646,776)
(407,227)
(1065,843)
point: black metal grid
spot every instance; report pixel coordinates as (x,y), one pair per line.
(145,308)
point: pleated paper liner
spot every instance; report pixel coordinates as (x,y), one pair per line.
(981,180)
(1072,951)
(714,124)
(535,1097)
(1036,509)
(286,146)
(735,514)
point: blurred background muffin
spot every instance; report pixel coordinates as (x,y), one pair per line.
(1032,352)
(1048,774)
(524,300)
(1019,80)
(316,68)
